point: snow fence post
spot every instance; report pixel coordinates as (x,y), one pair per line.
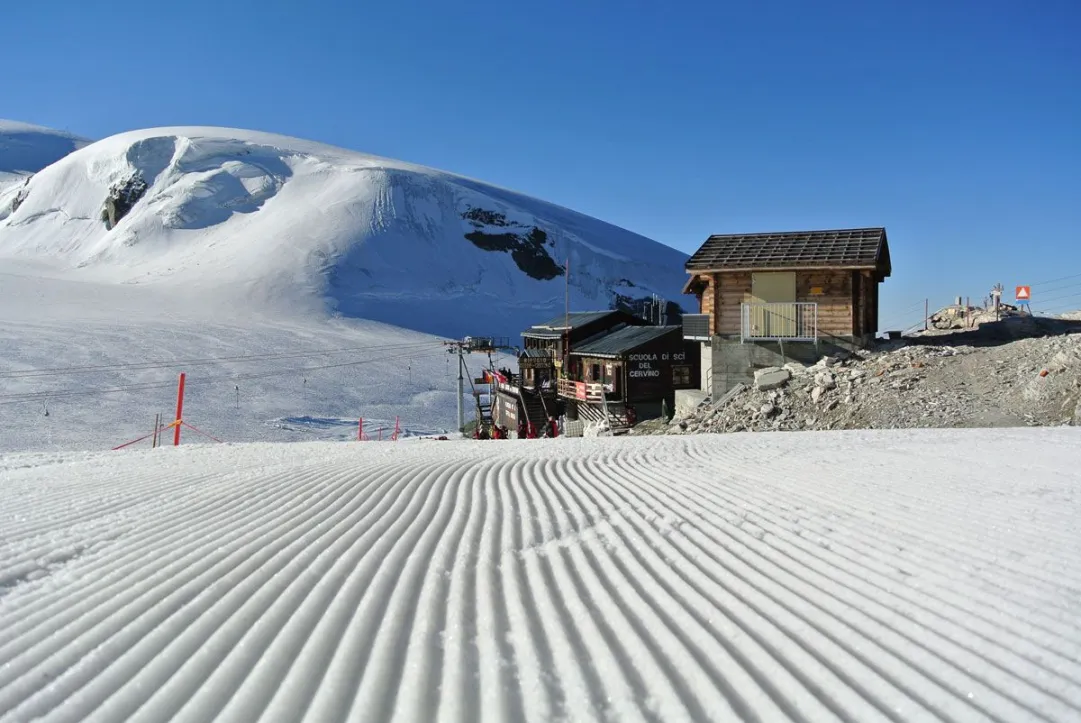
(360,429)
(179,410)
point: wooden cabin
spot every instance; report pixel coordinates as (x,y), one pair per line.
(791,293)
(630,373)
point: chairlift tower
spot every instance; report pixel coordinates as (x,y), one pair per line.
(473,345)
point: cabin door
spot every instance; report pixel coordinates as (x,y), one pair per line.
(779,290)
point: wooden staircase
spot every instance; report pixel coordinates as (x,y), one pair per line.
(484,406)
(534,408)
(617,414)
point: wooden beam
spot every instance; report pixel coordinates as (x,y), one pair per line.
(856,317)
(715,317)
(797,267)
(870,289)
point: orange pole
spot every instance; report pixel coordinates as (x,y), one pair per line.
(179,410)
(360,429)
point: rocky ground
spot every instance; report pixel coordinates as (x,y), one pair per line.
(1023,372)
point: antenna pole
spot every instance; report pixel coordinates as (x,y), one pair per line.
(567,317)
(461,390)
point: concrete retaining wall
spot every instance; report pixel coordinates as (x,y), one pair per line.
(687,401)
(735,362)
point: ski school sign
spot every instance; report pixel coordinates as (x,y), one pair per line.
(642,366)
(648,366)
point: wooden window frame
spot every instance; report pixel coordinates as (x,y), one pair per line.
(686,368)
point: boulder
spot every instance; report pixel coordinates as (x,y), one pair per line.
(817,393)
(826,380)
(771,378)
(123,195)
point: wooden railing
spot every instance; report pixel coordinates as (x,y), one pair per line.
(582,391)
(787,321)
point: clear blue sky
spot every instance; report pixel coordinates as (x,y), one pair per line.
(956,124)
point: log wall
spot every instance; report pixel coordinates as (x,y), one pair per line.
(847,300)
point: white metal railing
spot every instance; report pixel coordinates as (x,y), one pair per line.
(785,321)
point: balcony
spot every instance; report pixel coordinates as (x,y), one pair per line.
(789,321)
(582,391)
(696,327)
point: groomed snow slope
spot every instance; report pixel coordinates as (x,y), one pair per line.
(872,576)
(274,222)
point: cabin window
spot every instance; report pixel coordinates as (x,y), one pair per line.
(596,371)
(681,375)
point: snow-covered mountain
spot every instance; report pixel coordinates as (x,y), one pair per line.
(288,279)
(286,226)
(26,149)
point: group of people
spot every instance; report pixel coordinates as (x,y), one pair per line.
(526,430)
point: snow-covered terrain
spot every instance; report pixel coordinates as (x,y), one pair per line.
(271,222)
(860,576)
(26,149)
(102,359)
(298,285)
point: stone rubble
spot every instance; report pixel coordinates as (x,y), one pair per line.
(771,378)
(1027,382)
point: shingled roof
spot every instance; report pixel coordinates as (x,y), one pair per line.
(624,341)
(851,248)
(555,328)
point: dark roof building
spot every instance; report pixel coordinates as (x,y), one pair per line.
(624,341)
(636,366)
(555,328)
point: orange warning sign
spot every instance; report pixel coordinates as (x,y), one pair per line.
(1023,293)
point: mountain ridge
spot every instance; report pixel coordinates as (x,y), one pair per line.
(282,223)
(26,148)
